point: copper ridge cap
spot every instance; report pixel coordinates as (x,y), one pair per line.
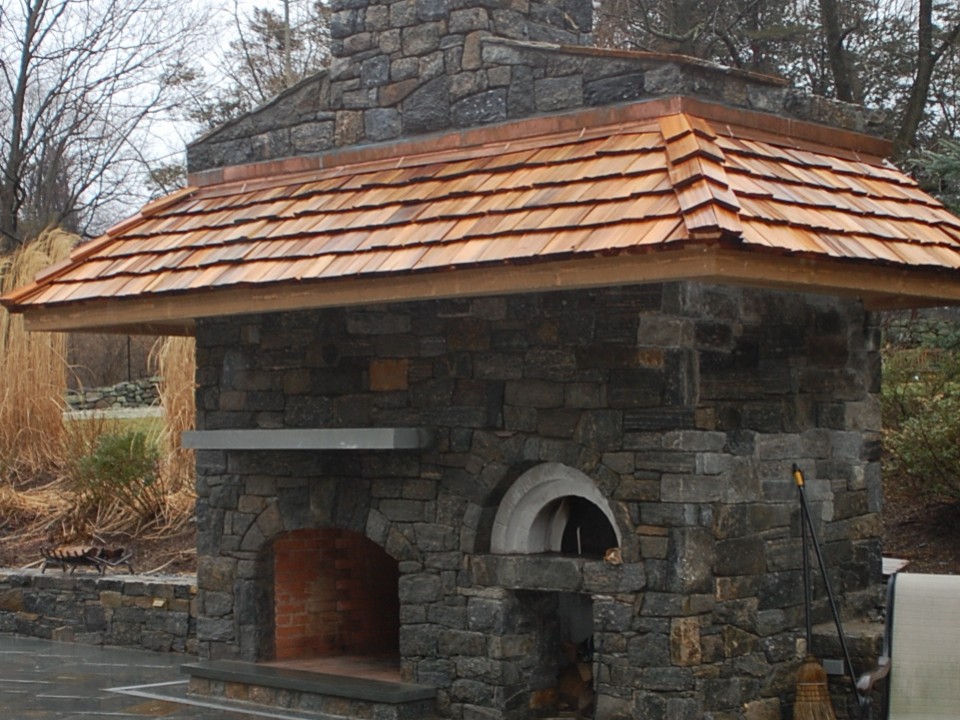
(544,125)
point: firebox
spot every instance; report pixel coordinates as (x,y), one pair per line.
(335,595)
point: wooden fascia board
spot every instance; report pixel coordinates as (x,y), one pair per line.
(172,328)
(501,279)
(178,328)
(879,285)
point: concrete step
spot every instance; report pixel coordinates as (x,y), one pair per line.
(319,695)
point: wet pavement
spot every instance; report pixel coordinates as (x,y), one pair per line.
(69,681)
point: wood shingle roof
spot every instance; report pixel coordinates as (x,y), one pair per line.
(662,190)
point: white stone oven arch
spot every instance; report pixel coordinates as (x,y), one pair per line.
(533,514)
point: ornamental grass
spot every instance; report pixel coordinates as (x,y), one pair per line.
(65,479)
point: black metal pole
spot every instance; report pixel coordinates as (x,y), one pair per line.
(807,589)
(798,477)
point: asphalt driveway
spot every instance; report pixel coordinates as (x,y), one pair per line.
(69,681)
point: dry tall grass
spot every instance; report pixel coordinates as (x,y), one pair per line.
(40,452)
(176,366)
(33,371)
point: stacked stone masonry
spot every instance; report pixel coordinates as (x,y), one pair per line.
(685,404)
(412,67)
(133,394)
(154,613)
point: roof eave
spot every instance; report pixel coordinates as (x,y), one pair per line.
(881,287)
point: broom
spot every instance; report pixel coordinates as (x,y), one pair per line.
(812,700)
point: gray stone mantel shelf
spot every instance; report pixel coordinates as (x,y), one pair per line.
(309,439)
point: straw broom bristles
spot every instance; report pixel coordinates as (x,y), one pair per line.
(813,696)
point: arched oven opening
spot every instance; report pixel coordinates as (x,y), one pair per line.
(583,528)
(554,510)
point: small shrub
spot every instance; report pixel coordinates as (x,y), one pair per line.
(921,406)
(122,469)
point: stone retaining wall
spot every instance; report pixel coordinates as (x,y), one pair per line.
(153,613)
(139,393)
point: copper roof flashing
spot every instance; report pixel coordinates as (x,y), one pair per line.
(592,121)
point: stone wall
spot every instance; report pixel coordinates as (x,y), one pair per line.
(153,613)
(685,404)
(419,66)
(139,393)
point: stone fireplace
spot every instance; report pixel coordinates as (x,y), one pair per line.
(506,348)
(659,423)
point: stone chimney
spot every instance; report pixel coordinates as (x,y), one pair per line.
(417,66)
(421,66)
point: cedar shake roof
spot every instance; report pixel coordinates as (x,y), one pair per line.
(662,190)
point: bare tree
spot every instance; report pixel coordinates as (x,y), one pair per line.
(271,51)
(835,32)
(81,82)
(761,35)
(933,44)
(899,55)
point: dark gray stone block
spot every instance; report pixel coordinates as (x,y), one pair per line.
(480,109)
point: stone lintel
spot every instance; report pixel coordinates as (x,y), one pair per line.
(557,573)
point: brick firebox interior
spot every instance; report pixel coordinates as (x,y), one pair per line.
(335,593)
